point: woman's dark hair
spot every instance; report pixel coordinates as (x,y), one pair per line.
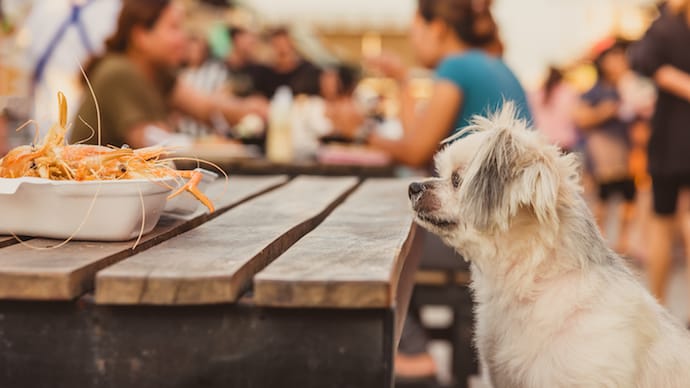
(471,20)
(554,78)
(134,13)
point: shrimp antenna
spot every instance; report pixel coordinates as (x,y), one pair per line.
(93,131)
(95,102)
(37,133)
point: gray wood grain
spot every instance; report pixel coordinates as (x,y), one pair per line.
(352,260)
(67,272)
(216,262)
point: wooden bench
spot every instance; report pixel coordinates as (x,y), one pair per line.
(300,282)
(449,287)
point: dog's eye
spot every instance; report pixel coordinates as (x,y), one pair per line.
(456,180)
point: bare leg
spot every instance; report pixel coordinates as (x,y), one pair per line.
(412,366)
(658,266)
(413,360)
(684,221)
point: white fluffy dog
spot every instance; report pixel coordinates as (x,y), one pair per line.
(554,306)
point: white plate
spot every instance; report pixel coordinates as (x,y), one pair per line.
(90,210)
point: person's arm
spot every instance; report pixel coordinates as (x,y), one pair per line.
(202,106)
(673,80)
(650,57)
(424,130)
(587,116)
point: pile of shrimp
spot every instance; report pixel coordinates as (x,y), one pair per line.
(54,159)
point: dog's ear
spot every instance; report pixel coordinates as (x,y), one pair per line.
(536,188)
(489,176)
(506,177)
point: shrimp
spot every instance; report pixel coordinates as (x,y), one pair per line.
(54,159)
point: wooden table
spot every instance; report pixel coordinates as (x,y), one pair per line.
(298,282)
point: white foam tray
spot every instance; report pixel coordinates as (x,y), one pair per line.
(91,210)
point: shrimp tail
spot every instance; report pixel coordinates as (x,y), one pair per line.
(192,186)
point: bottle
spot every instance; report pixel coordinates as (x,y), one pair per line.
(279,144)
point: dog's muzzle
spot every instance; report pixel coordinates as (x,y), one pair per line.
(425,204)
(415,191)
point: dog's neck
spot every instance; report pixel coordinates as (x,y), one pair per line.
(526,258)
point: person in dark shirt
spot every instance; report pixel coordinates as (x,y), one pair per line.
(289,69)
(244,71)
(663,54)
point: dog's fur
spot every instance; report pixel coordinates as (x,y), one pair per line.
(554,306)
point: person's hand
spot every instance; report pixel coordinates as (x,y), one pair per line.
(345,117)
(257,105)
(388,65)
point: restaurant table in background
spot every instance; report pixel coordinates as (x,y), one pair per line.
(300,282)
(331,160)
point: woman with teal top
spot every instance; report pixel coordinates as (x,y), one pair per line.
(453,37)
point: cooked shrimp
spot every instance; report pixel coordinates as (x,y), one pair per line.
(54,159)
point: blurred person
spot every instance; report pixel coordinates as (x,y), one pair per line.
(337,86)
(338,81)
(135,81)
(201,71)
(552,106)
(288,68)
(243,44)
(607,138)
(663,55)
(447,36)
(245,71)
(205,75)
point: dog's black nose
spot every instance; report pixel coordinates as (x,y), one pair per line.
(415,189)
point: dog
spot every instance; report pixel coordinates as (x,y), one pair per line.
(554,306)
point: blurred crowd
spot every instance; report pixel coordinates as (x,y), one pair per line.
(154,80)
(195,94)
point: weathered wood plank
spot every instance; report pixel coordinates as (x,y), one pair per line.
(68,271)
(215,262)
(352,260)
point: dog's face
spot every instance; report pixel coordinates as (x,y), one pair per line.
(500,178)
